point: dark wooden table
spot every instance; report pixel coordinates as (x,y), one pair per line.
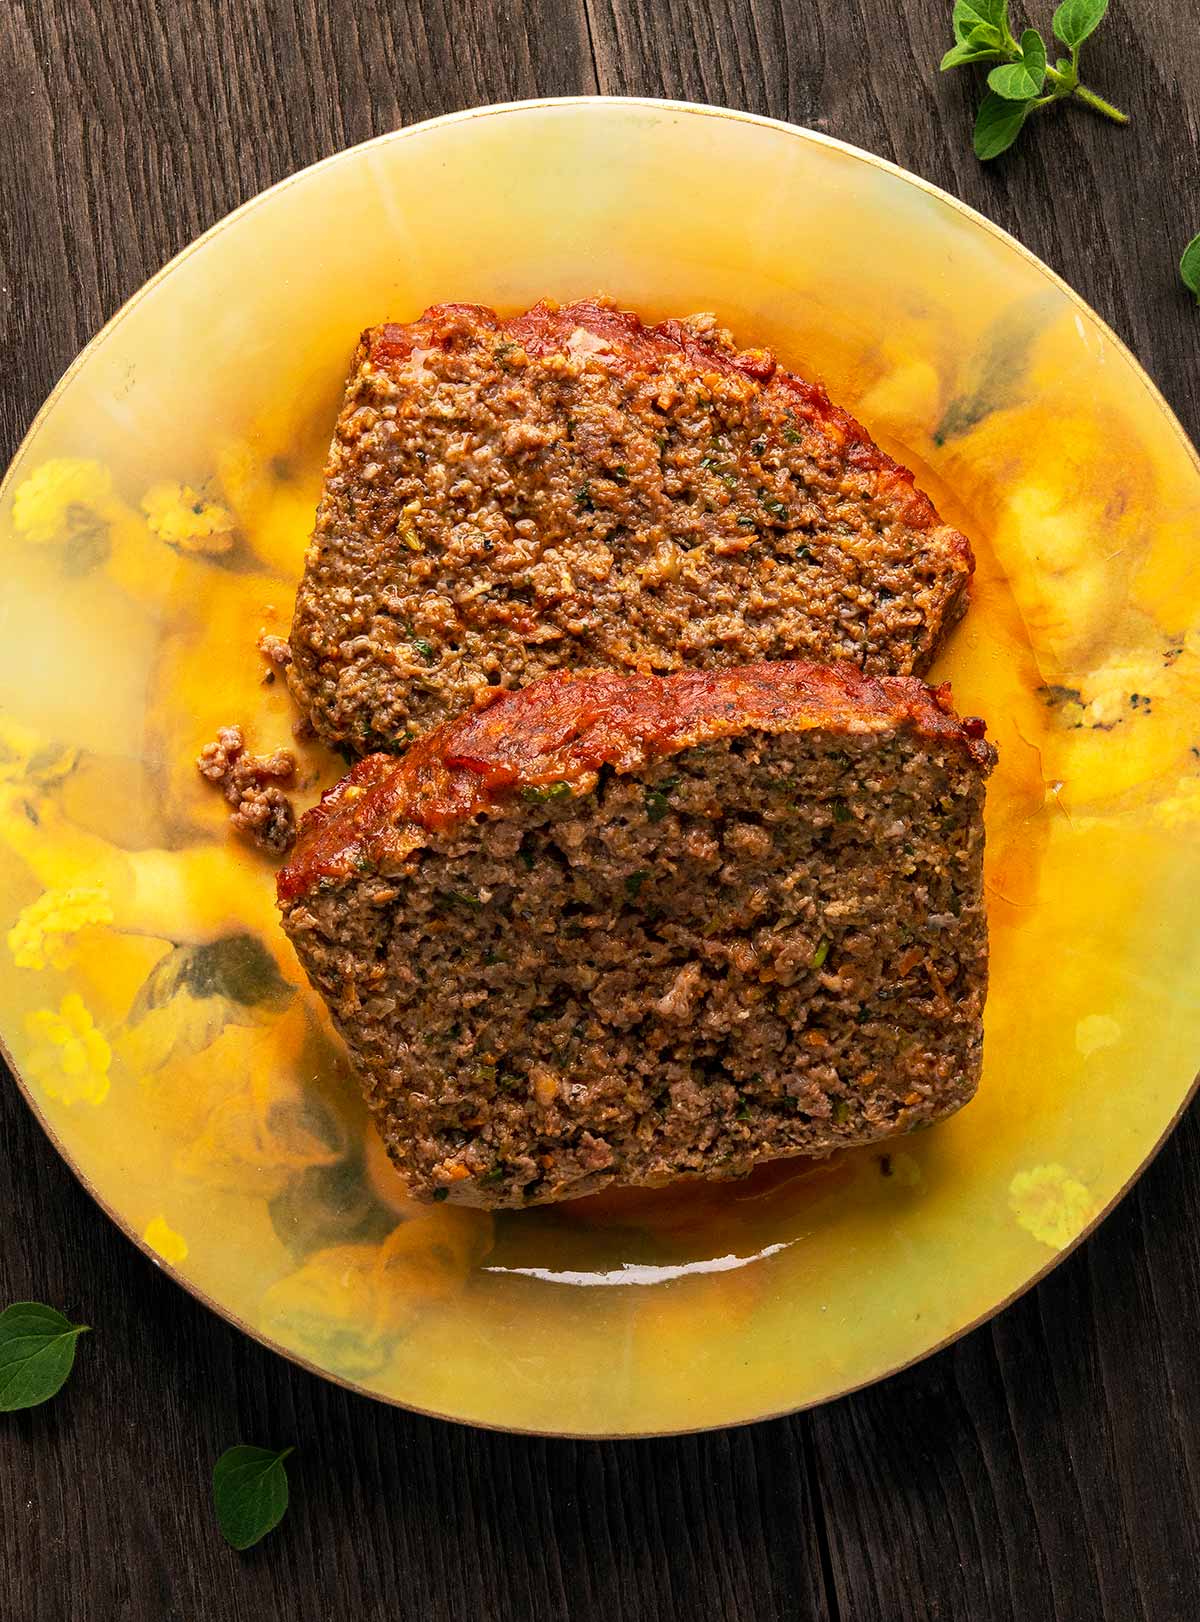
(1048,1466)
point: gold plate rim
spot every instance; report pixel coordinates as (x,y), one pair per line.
(500,109)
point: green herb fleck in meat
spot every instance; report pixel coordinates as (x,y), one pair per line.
(539,793)
(819,956)
(657,805)
(842,812)
(425,649)
(633,884)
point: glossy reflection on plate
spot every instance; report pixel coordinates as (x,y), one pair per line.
(153,526)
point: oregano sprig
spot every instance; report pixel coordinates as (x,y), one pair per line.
(1023,81)
(1189,266)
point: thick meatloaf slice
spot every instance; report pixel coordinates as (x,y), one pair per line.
(621,929)
(571,489)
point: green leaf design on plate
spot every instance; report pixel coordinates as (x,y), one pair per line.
(237,968)
(37,1353)
(250,1491)
(194,992)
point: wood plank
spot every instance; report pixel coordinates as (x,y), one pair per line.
(1048,1466)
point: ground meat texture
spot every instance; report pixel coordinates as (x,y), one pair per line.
(253,786)
(573,489)
(628,929)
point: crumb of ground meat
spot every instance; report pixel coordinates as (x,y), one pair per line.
(251,784)
(274,649)
(266,814)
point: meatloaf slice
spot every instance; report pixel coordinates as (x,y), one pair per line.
(573,489)
(620,929)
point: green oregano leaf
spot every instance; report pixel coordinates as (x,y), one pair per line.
(1033,55)
(983,45)
(1189,266)
(250,1491)
(1076,19)
(37,1353)
(972,14)
(1023,75)
(1020,81)
(998,125)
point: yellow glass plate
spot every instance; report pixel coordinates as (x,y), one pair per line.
(153,526)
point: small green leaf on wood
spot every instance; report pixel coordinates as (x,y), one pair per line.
(972,14)
(998,125)
(1033,55)
(1076,19)
(37,1353)
(250,1491)
(982,46)
(1189,266)
(1020,81)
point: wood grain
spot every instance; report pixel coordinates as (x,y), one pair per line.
(1048,1466)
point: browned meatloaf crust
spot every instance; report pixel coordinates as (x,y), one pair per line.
(572,489)
(627,928)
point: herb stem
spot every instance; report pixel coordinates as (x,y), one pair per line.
(1063,86)
(1099,105)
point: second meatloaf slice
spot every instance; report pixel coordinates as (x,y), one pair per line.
(570,488)
(625,929)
